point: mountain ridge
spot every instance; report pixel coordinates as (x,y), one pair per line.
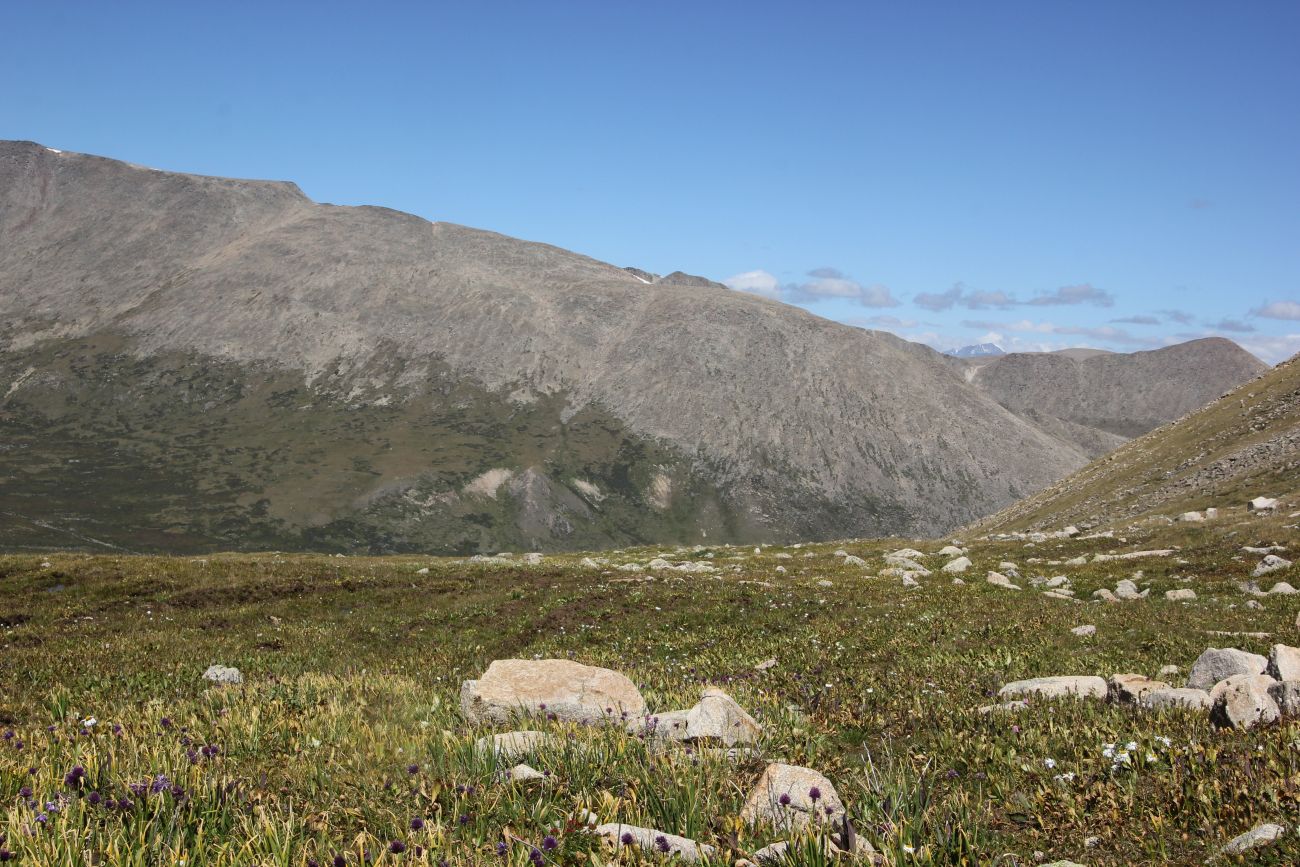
(789,420)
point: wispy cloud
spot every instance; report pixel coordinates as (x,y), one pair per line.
(1182,317)
(1081,293)
(1102,333)
(959,296)
(882,320)
(1279,310)
(1137,320)
(1232,325)
(822,284)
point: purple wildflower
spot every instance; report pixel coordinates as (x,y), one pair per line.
(417,824)
(661,843)
(549,843)
(784,800)
(397,847)
(627,839)
(814,793)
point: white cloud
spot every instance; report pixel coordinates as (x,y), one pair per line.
(756,282)
(1279,310)
(1273,348)
(823,284)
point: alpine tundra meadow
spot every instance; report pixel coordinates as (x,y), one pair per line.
(582,434)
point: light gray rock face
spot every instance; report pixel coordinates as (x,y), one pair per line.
(1287,695)
(371,302)
(1242,701)
(1284,662)
(1260,835)
(1282,588)
(1083,686)
(653,840)
(1132,688)
(571,691)
(1270,563)
(1193,699)
(997,579)
(1262,504)
(223,675)
(1217,664)
(791,797)
(718,717)
(957,566)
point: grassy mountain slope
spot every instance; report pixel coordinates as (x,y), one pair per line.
(1243,445)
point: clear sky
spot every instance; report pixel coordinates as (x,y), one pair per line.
(1039,174)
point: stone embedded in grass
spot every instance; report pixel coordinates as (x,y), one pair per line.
(780,853)
(717,717)
(558,688)
(961,564)
(766,664)
(1282,588)
(850,560)
(1006,707)
(1087,630)
(1182,594)
(949,551)
(792,797)
(223,675)
(997,579)
(1131,688)
(1262,504)
(1127,589)
(1217,664)
(1176,697)
(1260,835)
(1083,686)
(522,773)
(652,840)
(1270,563)
(1243,701)
(515,745)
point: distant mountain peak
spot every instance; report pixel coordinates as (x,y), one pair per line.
(977,350)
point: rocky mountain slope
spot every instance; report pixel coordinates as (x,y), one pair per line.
(195,363)
(1100,400)
(1244,445)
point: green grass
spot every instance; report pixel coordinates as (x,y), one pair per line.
(353,668)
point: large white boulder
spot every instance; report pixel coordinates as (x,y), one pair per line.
(1243,701)
(792,797)
(570,690)
(1270,563)
(1084,686)
(223,675)
(1217,664)
(1284,662)
(1262,504)
(961,564)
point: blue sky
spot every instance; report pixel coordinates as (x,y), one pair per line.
(1121,175)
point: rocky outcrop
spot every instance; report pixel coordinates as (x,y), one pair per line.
(554,687)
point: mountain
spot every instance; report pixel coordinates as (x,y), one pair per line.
(978,350)
(1244,445)
(1099,400)
(193,363)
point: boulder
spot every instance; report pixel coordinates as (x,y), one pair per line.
(1191,517)
(1284,662)
(1282,588)
(570,690)
(655,841)
(223,675)
(1242,701)
(1168,670)
(1287,695)
(997,579)
(1104,595)
(1056,687)
(850,560)
(1085,631)
(1262,504)
(780,853)
(950,551)
(1217,664)
(1270,563)
(1260,835)
(791,797)
(1172,697)
(1182,594)
(1128,589)
(1131,688)
(524,774)
(717,717)
(961,564)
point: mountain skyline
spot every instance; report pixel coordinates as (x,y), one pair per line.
(1103,176)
